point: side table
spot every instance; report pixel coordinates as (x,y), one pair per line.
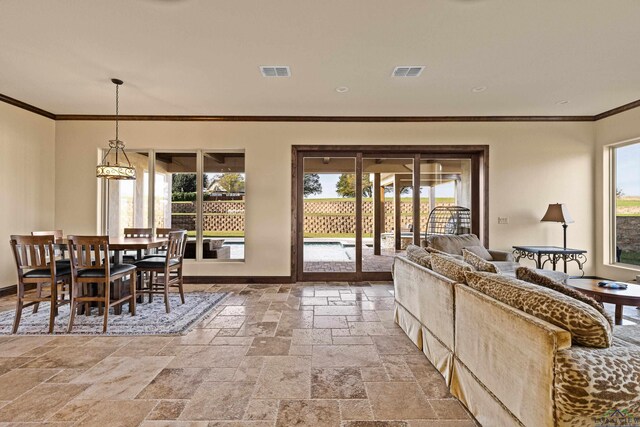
(554,254)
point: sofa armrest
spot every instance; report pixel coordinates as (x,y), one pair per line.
(509,352)
(501,255)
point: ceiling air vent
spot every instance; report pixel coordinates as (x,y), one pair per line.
(275,71)
(408,71)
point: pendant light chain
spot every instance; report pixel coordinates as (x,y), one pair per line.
(117,110)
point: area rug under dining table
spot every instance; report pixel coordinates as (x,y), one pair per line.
(150,319)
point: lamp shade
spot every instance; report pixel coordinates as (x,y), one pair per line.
(557,212)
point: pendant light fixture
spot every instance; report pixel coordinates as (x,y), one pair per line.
(116,170)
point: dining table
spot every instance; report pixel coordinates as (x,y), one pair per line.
(120,244)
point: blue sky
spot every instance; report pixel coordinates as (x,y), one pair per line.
(628,169)
(329,182)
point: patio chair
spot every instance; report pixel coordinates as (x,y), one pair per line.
(169,266)
(88,266)
(33,256)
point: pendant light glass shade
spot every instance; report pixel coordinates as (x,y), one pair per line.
(116,170)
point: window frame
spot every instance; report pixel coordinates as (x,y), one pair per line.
(612,201)
(103,196)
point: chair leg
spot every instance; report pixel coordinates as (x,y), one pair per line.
(166,292)
(106,306)
(53,312)
(36,306)
(132,301)
(151,278)
(180,287)
(19,304)
(73,306)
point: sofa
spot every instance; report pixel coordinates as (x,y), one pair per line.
(509,367)
(454,244)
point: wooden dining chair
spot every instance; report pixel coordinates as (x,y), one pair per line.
(161,233)
(88,266)
(57,235)
(35,264)
(165,271)
(147,233)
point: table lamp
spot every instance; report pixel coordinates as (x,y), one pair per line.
(557,212)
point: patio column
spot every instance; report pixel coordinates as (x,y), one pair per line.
(397,211)
(378,213)
(432,198)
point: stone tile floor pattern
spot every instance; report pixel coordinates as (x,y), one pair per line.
(270,355)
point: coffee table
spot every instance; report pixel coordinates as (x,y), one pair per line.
(619,297)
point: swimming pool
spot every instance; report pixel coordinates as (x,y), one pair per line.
(313,251)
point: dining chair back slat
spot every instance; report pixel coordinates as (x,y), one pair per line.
(89,252)
(138,232)
(57,234)
(176,246)
(33,252)
(164,232)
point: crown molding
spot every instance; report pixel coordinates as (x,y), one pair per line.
(343,119)
(360,119)
(16,103)
(618,110)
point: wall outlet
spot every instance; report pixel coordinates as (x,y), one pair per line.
(503,220)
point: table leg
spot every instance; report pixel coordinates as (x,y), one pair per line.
(539,263)
(117,256)
(618,317)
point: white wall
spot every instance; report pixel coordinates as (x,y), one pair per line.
(27,179)
(612,130)
(531,165)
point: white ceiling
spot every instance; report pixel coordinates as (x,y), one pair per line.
(201,57)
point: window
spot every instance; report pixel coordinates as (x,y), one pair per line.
(201,192)
(626,218)
(128,204)
(223,205)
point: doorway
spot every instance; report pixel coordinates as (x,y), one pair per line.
(356,207)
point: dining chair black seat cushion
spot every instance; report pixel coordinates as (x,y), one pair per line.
(160,254)
(156,262)
(45,273)
(60,263)
(114,270)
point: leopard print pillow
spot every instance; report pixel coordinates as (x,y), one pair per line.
(591,382)
(587,326)
(419,255)
(450,267)
(480,264)
(528,275)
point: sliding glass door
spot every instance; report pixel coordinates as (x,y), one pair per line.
(357,208)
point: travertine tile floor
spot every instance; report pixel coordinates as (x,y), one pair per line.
(270,355)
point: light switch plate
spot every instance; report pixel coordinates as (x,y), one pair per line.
(503,220)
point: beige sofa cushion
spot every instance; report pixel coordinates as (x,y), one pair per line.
(419,255)
(480,251)
(450,267)
(477,262)
(590,382)
(531,276)
(452,243)
(587,326)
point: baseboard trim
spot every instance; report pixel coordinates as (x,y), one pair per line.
(240,280)
(12,290)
